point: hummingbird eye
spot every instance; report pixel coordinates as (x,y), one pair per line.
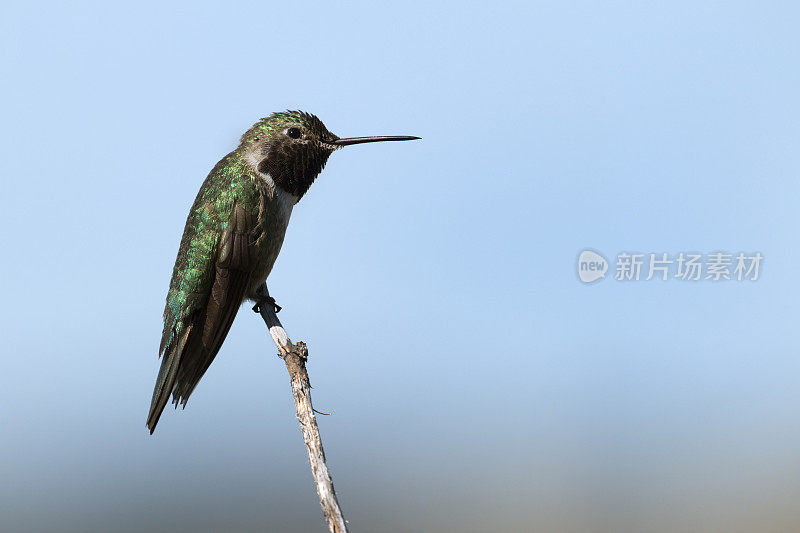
(294,133)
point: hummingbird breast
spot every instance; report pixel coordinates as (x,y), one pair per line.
(273,219)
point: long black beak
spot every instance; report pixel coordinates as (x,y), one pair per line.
(359,140)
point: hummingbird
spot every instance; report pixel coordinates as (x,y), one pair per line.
(232,238)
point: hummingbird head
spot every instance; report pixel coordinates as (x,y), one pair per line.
(292,147)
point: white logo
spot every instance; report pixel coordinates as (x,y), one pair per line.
(591,266)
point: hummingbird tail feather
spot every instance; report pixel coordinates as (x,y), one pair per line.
(166,379)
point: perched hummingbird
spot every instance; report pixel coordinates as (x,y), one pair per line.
(232,237)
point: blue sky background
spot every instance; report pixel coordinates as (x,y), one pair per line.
(476,384)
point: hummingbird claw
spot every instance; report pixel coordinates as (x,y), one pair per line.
(269,300)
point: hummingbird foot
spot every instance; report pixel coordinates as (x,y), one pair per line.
(263,298)
(269,301)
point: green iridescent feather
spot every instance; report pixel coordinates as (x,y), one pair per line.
(230,182)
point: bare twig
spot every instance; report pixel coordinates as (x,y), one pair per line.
(295,356)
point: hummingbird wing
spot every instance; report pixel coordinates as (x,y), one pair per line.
(235,261)
(209,282)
